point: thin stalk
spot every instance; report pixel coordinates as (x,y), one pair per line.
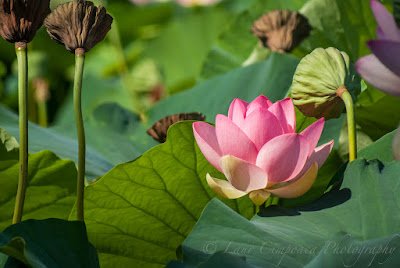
(258,54)
(42,113)
(41,90)
(272,200)
(344,94)
(258,208)
(21,51)
(79,63)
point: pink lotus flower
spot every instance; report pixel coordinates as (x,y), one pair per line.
(382,69)
(257,149)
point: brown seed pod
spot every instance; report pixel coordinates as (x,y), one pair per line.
(159,130)
(281,30)
(78,24)
(20,19)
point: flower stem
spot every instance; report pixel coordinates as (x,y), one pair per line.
(272,200)
(42,116)
(20,50)
(258,208)
(79,63)
(344,94)
(259,53)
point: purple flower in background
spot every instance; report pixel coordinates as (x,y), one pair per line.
(382,69)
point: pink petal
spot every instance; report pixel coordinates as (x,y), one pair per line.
(243,175)
(290,114)
(261,126)
(387,52)
(224,188)
(313,133)
(385,20)
(375,73)
(206,138)
(260,101)
(283,157)
(237,111)
(319,156)
(277,110)
(233,141)
(299,187)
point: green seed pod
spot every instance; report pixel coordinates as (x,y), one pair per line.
(317,79)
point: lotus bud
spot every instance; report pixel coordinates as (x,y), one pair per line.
(318,81)
(78,25)
(20,19)
(281,30)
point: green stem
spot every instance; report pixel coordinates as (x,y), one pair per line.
(268,202)
(258,54)
(79,63)
(258,208)
(273,200)
(42,113)
(21,51)
(344,94)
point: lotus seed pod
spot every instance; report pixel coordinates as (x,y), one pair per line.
(317,79)
(281,30)
(78,24)
(160,128)
(20,19)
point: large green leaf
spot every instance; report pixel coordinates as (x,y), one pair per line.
(141,211)
(95,91)
(381,149)
(357,226)
(43,138)
(50,243)
(113,131)
(51,183)
(102,151)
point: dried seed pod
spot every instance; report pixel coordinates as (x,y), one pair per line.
(78,24)
(20,19)
(281,30)
(159,130)
(317,79)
